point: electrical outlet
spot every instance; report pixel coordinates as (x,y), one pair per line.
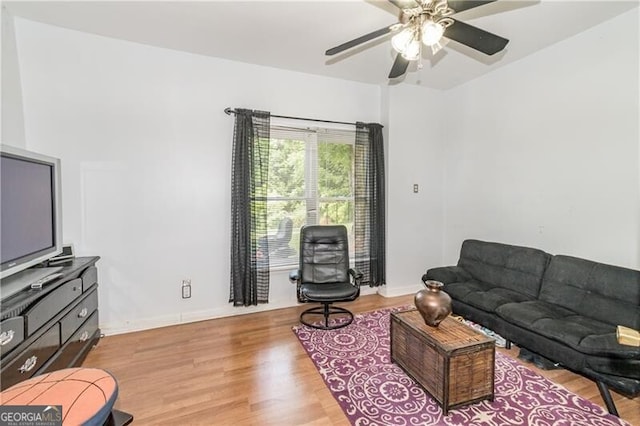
(415,188)
(186,289)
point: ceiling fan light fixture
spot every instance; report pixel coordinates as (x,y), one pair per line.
(431,32)
(401,40)
(435,48)
(412,51)
(426,22)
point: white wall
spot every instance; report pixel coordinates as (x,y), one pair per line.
(415,156)
(146,150)
(544,152)
(11,117)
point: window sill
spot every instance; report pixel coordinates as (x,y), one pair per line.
(280,268)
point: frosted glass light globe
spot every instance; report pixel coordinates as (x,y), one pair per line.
(401,40)
(412,51)
(431,32)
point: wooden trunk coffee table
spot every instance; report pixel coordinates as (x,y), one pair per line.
(452,362)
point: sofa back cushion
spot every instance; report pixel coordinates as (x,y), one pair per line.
(610,294)
(501,265)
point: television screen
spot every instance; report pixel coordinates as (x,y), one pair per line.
(27,216)
(30,213)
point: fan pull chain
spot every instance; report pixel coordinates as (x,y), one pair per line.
(420,56)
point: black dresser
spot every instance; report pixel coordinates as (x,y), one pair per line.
(51,328)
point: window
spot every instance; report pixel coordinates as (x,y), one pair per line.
(319,175)
(311,181)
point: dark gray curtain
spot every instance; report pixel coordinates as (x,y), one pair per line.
(249,272)
(369,220)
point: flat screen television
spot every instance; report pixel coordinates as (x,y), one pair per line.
(30,216)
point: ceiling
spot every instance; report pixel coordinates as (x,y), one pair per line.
(294,35)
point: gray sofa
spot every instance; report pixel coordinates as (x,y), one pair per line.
(562,308)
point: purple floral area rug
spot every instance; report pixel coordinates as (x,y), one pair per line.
(355,364)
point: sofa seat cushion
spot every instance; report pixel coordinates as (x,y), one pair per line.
(483,296)
(524,314)
(460,291)
(583,334)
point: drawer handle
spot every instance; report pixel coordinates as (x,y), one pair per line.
(84,336)
(6,337)
(83,313)
(29,364)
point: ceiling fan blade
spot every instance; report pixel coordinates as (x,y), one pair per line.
(362,39)
(475,38)
(404,4)
(399,67)
(460,5)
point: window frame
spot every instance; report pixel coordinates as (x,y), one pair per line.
(311,197)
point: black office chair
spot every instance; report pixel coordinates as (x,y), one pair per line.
(324,275)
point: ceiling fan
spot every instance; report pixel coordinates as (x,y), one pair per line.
(425,22)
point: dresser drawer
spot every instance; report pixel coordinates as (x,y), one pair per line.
(89,277)
(79,314)
(74,347)
(50,305)
(27,363)
(11,333)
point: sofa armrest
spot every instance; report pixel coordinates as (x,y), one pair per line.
(447,274)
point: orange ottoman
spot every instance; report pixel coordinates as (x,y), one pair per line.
(86,395)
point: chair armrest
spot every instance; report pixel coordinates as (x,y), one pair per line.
(356,275)
(294,276)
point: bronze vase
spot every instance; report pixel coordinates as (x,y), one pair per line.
(433,304)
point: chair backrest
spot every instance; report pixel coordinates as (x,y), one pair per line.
(285,228)
(324,254)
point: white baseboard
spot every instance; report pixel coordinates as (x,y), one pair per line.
(399,291)
(208,314)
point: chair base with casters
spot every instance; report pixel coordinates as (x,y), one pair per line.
(326,310)
(324,276)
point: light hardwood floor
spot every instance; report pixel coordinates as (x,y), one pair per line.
(248,370)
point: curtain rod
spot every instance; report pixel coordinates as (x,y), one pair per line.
(230,111)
